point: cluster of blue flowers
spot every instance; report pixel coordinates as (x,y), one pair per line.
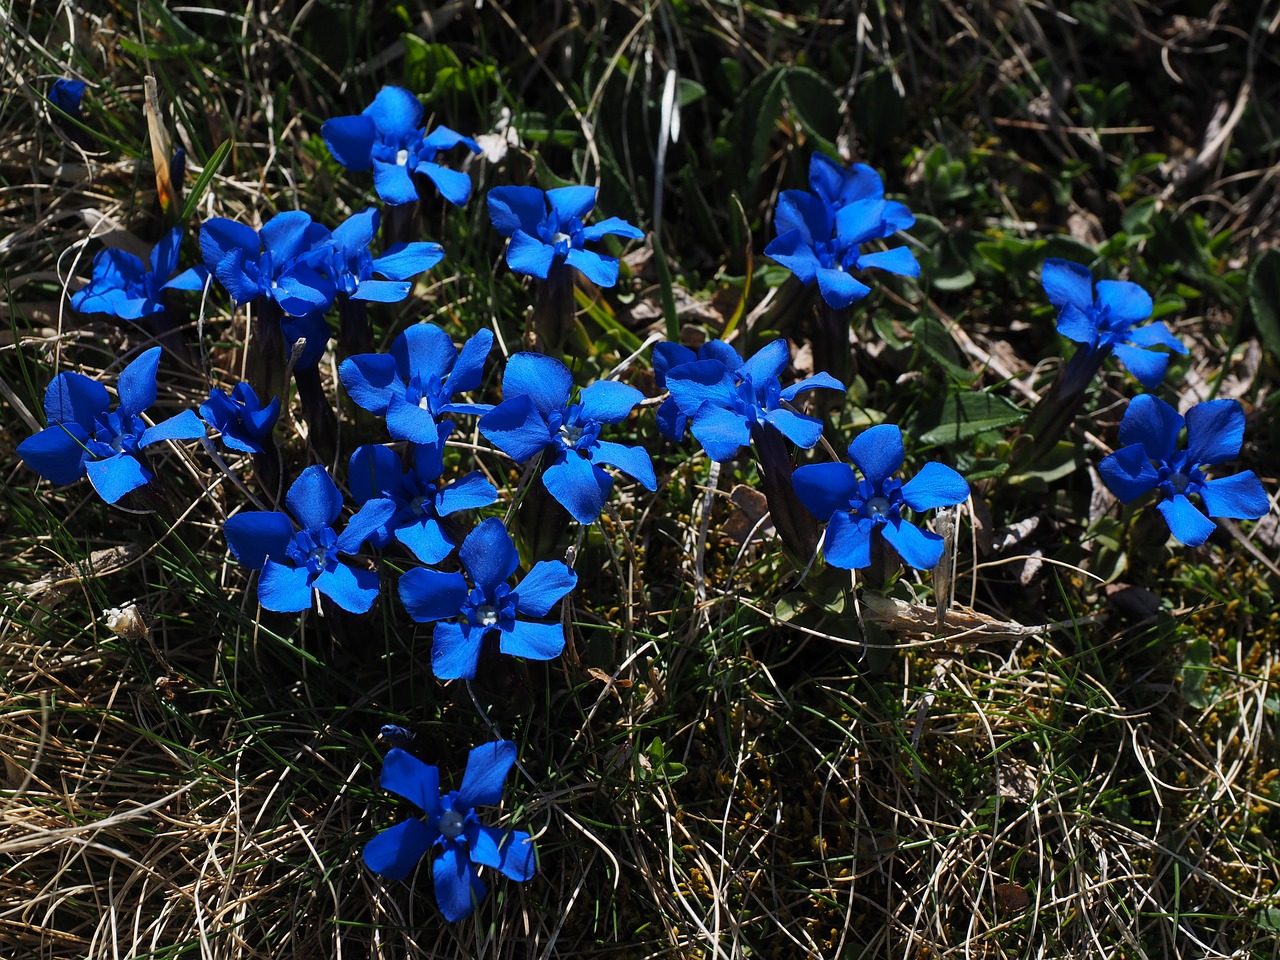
(295,270)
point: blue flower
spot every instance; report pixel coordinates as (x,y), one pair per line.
(293,563)
(1105,325)
(544,241)
(388,136)
(420,499)
(820,234)
(85,436)
(724,404)
(66,94)
(490,559)
(346,259)
(536,415)
(667,356)
(451,822)
(414,384)
(1151,460)
(123,287)
(274,263)
(245,424)
(855,509)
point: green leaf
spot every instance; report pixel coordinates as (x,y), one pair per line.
(1264,299)
(211,168)
(815,104)
(424,61)
(932,337)
(966,415)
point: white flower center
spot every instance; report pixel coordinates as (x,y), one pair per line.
(487,614)
(318,555)
(878,506)
(402,157)
(451,824)
(561,238)
(570,433)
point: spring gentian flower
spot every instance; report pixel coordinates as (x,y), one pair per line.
(723,404)
(820,234)
(85,436)
(536,415)
(1104,324)
(293,563)
(452,822)
(855,509)
(388,136)
(346,259)
(66,95)
(421,500)
(490,559)
(274,263)
(1151,460)
(544,241)
(245,424)
(123,287)
(414,384)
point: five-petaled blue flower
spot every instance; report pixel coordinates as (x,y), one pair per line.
(451,822)
(420,499)
(123,287)
(293,563)
(855,509)
(820,233)
(544,241)
(85,436)
(245,424)
(388,136)
(490,559)
(414,385)
(536,415)
(1105,324)
(1151,460)
(274,263)
(723,404)
(345,259)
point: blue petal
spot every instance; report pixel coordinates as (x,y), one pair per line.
(671,422)
(878,453)
(721,432)
(458,889)
(313,499)
(1157,334)
(1239,497)
(66,95)
(633,461)
(769,361)
(313,331)
(405,261)
(407,776)
(442,138)
(1124,300)
(543,587)
(74,398)
(899,260)
(803,431)
(186,425)
(805,213)
(301,291)
(608,401)
(1150,421)
(599,269)
(164,255)
(861,221)
(528,255)
(371,380)
(116,476)
(917,548)
(667,355)
(516,428)
(509,852)
(355,233)
(1186,522)
(137,383)
(366,521)
(533,641)
(350,140)
(487,769)
(426,540)
(1215,431)
(568,203)
(235,280)
(489,555)
(825,488)
(191,279)
(1148,366)
(221,238)
(1078,325)
(1128,472)
(351,588)
(394,852)
(373,471)
(702,382)
(430,595)
(516,208)
(936,485)
(544,380)
(719,350)
(793,251)
(396,112)
(454,185)
(847,544)
(819,381)
(612,227)
(288,235)
(57,453)
(423,350)
(468,371)
(258,535)
(839,289)
(284,589)
(579,486)
(393,183)
(382,291)
(408,421)
(455,650)
(897,216)
(1067,283)
(468,493)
